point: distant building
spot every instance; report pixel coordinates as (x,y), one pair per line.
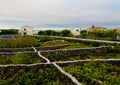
(118,31)
(75,31)
(118,37)
(96,28)
(26,30)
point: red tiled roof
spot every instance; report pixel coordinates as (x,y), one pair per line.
(95,28)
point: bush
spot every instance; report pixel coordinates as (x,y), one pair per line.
(116,49)
(20,42)
(91,73)
(99,34)
(66,33)
(56,57)
(48,32)
(45,38)
(19,58)
(55,42)
(48,76)
(10,31)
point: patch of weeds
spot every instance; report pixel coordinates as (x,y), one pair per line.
(94,72)
(55,57)
(19,58)
(48,77)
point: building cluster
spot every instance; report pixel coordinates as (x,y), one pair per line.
(28,30)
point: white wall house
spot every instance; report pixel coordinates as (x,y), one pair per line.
(26,30)
(75,31)
(118,37)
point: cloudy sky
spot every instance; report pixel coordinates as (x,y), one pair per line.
(59,13)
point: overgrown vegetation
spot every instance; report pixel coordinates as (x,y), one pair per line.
(55,57)
(55,42)
(112,53)
(77,45)
(100,34)
(95,73)
(19,58)
(86,42)
(20,42)
(115,49)
(64,33)
(9,31)
(107,56)
(44,38)
(48,32)
(86,55)
(46,76)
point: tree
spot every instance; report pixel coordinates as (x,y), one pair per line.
(48,32)
(66,33)
(41,32)
(9,31)
(83,33)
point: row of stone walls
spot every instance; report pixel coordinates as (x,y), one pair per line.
(77,52)
(80,62)
(16,49)
(32,54)
(51,47)
(86,41)
(11,70)
(31,49)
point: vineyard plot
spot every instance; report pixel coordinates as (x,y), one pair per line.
(95,73)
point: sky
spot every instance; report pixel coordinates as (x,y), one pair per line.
(59,13)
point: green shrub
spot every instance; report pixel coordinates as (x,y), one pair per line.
(66,33)
(93,72)
(47,77)
(4,60)
(45,38)
(115,49)
(54,42)
(99,34)
(9,31)
(20,42)
(78,45)
(19,58)
(56,57)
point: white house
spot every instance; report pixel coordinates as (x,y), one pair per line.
(118,37)
(75,31)
(26,30)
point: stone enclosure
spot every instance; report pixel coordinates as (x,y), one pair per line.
(45,54)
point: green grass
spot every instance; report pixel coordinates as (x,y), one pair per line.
(20,42)
(78,45)
(54,42)
(108,56)
(44,38)
(94,72)
(19,58)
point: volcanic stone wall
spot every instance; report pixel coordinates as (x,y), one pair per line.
(10,70)
(51,47)
(77,52)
